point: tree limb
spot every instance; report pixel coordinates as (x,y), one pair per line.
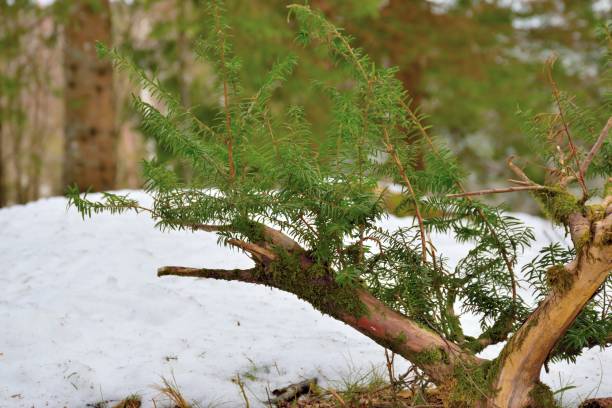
(243,275)
(530,346)
(260,253)
(271,235)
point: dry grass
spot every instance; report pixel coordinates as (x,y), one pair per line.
(384,397)
(171,394)
(133,401)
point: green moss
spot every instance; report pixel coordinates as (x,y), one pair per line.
(582,240)
(608,188)
(430,356)
(559,278)
(557,204)
(595,212)
(471,384)
(542,397)
(316,285)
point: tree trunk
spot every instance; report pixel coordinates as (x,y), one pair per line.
(90,145)
(523,356)
(3,199)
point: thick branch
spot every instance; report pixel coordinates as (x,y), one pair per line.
(528,349)
(435,355)
(428,350)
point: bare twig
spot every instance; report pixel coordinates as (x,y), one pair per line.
(210,227)
(228,119)
(573,150)
(519,182)
(253,249)
(244,275)
(596,147)
(496,191)
(519,172)
(406,180)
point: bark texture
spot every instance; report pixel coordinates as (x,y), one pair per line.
(90,146)
(525,353)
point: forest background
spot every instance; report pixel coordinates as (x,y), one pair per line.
(474,69)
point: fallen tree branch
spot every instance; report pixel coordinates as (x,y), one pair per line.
(292,391)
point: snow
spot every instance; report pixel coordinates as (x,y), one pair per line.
(84,318)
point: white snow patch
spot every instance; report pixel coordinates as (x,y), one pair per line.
(84,318)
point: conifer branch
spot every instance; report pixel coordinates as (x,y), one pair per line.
(481,214)
(596,147)
(573,150)
(228,120)
(406,180)
(416,121)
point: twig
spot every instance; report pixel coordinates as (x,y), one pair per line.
(596,147)
(253,249)
(495,191)
(573,150)
(228,119)
(400,167)
(244,275)
(518,171)
(519,182)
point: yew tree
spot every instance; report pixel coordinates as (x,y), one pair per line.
(308,214)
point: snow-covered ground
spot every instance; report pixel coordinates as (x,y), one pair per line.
(84,318)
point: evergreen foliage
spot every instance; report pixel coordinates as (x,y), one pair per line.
(252,167)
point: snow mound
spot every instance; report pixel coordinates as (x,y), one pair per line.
(84,318)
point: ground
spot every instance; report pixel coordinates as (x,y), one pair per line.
(84,318)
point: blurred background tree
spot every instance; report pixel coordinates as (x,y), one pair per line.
(90,137)
(470,65)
